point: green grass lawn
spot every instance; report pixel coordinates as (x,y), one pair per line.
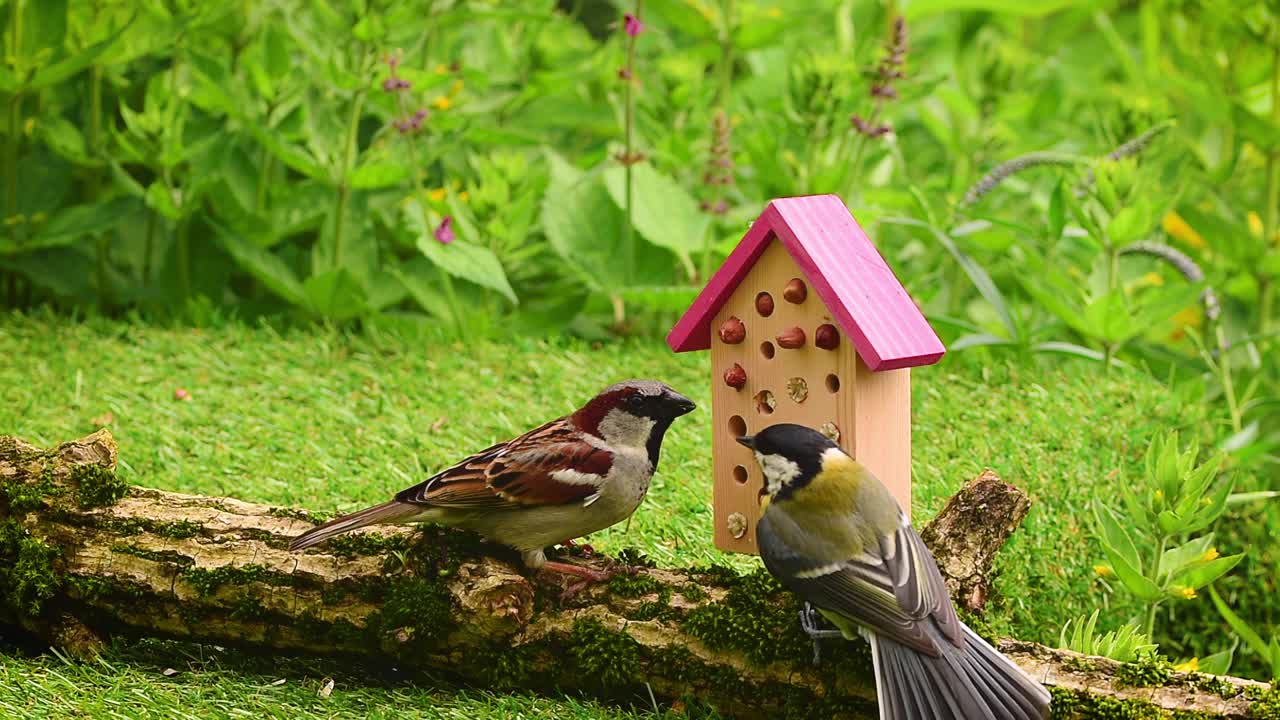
(336,421)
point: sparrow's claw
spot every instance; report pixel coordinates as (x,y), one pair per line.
(811,622)
(589,576)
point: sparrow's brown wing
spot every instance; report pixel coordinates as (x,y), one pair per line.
(549,465)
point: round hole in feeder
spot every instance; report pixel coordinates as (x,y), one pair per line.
(833,383)
(737,426)
(767,349)
(765,402)
(764,304)
(740,474)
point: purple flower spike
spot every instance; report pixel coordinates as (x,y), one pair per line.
(444,233)
(632,25)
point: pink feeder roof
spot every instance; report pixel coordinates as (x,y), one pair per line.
(842,266)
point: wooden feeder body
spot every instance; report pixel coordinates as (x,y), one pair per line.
(824,389)
(857,391)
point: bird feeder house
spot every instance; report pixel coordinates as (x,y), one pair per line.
(806,324)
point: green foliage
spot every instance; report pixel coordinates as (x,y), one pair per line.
(1174,501)
(1124,644)
(28,570)
(1149,668)
(611,658)
(96,486)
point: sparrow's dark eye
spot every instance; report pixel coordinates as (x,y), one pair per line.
(635,401)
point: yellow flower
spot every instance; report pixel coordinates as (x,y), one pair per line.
(29,126)
(1159,494)
(1103,570)
(456,87)
(464,196)
(773,12)
(441,69)
(1192,665)
(1153,278)
(1210,554)
(1183,319)
(1186,593)
(442,103)
(1255,224)
(436,195)
(1179,229)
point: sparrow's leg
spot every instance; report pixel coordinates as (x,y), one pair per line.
(810,622)
(582,572)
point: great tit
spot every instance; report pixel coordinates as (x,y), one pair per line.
(833,534)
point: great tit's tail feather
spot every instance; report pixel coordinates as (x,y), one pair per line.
(388,512)
(974,682)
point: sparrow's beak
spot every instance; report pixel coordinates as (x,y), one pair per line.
(747,441)
(680,405)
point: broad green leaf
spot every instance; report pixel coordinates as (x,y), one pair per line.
(1211,508)
(1176,558)
(584,226)
(66,140)
(384,174)
(70,224)
(1057,212)
(161,199)
(1197,576)
(344,240)
(421,280)
(384,289)
(1135,581)
(1017,8)
(1067,348)
(44,27)
(1241,628)
(1115,536)
(459,258)
(1108,318)
(1218,663)
(1248,497)
(664,213)
(687,16)
(336,295)
(69,66)
(259,262)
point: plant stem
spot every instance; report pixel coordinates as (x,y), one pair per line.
(1266,288)
(264,178)
(629,112)
(1150,624)
(93,139)
(183,257)
(344,186)
(1228,385)
(148,246)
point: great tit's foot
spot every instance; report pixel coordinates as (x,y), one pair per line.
(812,624)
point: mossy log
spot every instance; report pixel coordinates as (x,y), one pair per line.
(83,556)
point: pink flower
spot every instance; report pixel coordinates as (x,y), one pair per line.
(632,25)
(181,394)
(444,233)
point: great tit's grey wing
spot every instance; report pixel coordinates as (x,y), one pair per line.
(903,565)
(886,588)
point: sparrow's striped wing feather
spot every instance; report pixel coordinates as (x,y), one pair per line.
(889,589)
(549,465)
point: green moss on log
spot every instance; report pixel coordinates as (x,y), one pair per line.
(604,657)
(757,617)
(29,572)
(96,486)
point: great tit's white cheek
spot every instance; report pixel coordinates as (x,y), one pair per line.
(778,471)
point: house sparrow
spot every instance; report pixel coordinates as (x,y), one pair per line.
(833,534)
(570,477)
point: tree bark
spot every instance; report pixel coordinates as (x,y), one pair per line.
(83,556)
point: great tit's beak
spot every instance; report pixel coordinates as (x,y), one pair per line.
(747,441)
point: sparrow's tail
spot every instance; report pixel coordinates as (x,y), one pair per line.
(975,682)
(388,512)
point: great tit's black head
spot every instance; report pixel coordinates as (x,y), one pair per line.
(789,455)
